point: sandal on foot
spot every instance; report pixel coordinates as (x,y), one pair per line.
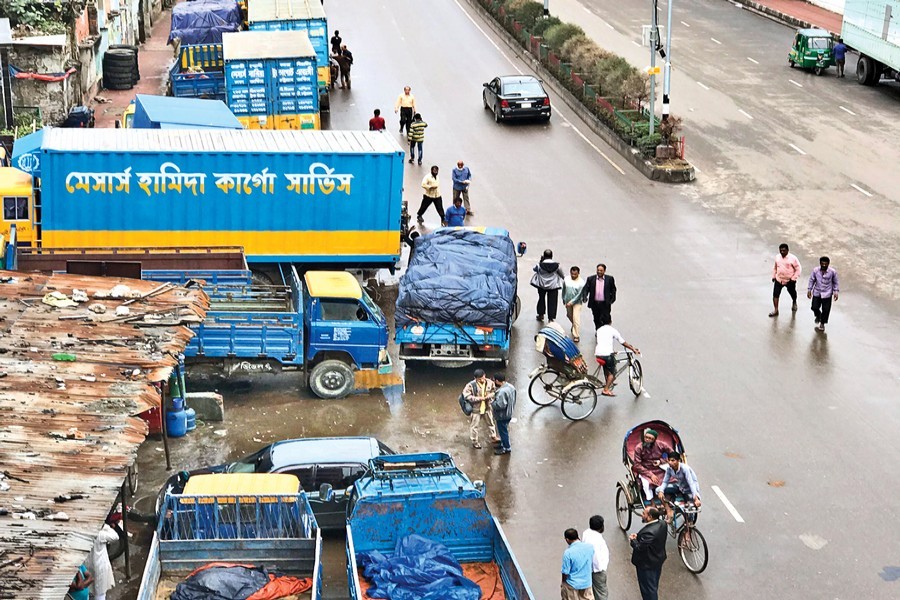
(774,313)
(476,445)
(607,393)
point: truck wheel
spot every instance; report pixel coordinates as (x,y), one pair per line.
(866,71)
(331,379)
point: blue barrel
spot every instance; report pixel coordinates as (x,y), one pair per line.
(191,415)
(176,419)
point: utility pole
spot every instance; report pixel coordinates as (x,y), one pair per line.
(654,45)
(5,44)
(546,9)
(667,74)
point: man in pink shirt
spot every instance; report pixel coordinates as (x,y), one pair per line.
(784,275)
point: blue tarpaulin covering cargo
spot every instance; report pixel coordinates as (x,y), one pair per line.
(459,276)
(419,569)
(204,21)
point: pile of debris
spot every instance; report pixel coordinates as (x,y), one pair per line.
(79,357)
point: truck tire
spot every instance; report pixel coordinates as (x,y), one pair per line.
(867,70)
(331,379)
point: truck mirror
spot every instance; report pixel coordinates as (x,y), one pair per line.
(326,493)
(479,485)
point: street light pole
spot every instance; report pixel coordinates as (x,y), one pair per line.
(654,44)
(667,74)
(546,9)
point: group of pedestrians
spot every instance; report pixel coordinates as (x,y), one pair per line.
(343,60)
(597,291)
(823,287)
(492,402)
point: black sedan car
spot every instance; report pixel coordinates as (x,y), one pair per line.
(517,97)
(337,461)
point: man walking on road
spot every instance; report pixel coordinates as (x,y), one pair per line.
(576,568)
(840,56)
(504,407)
(376,123)
(416,136)
(344,65)
(336,42)
(480,394)
(600,294)
(573,287)
(593,536)
(784,275)
(823,287)
(461,179)
(648,553)
(406,105)
(432,186)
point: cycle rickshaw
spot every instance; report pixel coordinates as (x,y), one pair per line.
(630,501)
(564,376)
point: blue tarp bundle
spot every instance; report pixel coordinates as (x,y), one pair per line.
(419,569)
(459,276)
(204,21)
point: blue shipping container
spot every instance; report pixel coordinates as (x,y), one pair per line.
(270,73)
(163,112)
(284,196)
(296,15)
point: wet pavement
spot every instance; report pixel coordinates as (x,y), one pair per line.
(795,428)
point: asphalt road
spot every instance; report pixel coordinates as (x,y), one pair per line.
(805,157)
(795,428)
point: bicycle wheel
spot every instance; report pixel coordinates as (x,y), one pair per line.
(545,387)
(623,508)
(636,377)
(132,479)
(693,550)
(579,402)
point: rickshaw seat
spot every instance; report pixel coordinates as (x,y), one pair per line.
(601,361)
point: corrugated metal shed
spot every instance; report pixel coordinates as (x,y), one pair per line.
(67,427)
(217,141)
(285,10)
(265,45)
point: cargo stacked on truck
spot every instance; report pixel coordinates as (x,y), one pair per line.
(254,531)
(316,199)
(198,72)
(298,15)
(872,28)
(421,510)
(457,299)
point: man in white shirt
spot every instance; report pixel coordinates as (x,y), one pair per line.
(594,536)
(605,351)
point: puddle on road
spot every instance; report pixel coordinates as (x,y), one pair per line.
(391,384)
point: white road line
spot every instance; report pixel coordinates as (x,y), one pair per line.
(516,67)
(685,24)
(645,393)
(703,86)
(586,9)
(635,43)
(799,151)
(745,113)
(734,513)
(859,189)
(847,110)
(610,26)
(716,41)
(755,62)
(799,85)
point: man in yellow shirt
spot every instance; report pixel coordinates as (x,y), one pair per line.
(480,394)
(406,105)
(432,186)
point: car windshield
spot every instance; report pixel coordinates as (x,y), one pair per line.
(819,43)
(523,88)
(373,308)
(258,462)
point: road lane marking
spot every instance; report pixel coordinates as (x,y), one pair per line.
(635,43)
(745,113)
(859,189)
(703,86)
(608,25)
(734,513)
(685,24)
(716,41)
(516,67)
(755,62)
(799,151)
(799,85)
(847,110)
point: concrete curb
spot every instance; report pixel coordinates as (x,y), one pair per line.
(632,155)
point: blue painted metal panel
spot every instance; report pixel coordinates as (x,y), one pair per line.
(157,112)
(362,340)
(448,333)
(212,278)
(316,30)
(209,82)
(272,86)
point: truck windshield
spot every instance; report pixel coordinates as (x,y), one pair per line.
(373,308)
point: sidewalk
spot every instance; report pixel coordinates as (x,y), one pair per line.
(798,13)
(154,59)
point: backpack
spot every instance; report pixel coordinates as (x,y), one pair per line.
(464,404)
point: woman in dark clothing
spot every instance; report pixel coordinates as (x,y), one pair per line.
(548,279)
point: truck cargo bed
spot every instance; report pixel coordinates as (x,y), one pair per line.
(485,574)
(168,584)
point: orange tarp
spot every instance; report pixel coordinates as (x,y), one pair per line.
(278,587)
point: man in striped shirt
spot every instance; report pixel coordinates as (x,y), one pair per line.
(416,137)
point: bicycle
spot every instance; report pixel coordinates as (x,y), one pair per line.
(691,544)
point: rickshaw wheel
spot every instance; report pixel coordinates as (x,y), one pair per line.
(579,402)
(544,389)
(818,70)
(636,377)
(623,508)
(693,550)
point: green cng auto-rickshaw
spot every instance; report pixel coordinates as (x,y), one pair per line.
(812,49)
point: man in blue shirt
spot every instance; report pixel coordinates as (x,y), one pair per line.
(461,177)
(577,567)
(456,214)
(679,480)
(840,56)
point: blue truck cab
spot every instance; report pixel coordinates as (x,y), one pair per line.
(324,323)
(427,495)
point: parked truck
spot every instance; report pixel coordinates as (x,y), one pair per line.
(324,324)
(313,199)
(299,15)
(426,495)
(270,79)
(198,72)
(457,299)
(249,519)
(872,28)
